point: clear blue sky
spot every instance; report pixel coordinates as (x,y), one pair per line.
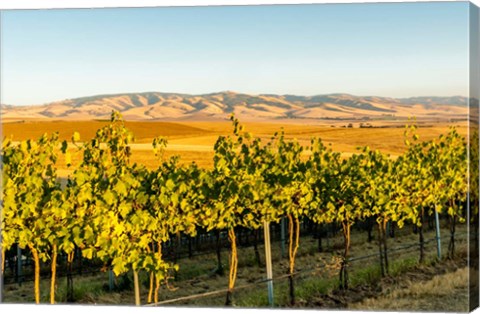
(398,50)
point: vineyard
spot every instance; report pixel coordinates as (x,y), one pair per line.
(123,217)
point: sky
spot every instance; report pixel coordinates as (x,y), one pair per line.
(381,49)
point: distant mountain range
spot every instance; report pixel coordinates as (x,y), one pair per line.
(215,106)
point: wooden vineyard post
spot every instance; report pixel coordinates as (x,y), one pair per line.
(219,269)
(111,285)
(268,262)
(19,274)
(380,251)
(282,236)
(437,234)
(70,297)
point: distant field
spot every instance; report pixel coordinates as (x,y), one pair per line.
(144,131)
(194,141)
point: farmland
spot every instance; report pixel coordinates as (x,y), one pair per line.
(194,140)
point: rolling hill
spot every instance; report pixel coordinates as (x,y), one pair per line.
(218,106)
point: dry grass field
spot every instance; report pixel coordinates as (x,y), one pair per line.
(446,293)
(145,131)
(194,141)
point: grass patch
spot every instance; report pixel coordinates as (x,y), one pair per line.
(84,290)
(313,286)
(400,266)
(448,292)
(367,275)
